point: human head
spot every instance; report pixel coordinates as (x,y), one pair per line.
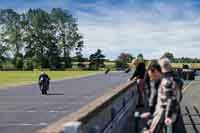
(135,61)
(42,72)
(154,70)
(165,65)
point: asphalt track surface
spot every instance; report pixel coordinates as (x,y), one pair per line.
(191,107)
(24,110)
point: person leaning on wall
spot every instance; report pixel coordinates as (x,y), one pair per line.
(138,75)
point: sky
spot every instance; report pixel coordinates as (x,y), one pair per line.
(151,27)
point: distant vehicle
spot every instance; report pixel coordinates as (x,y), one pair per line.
(188,73)
(187,66)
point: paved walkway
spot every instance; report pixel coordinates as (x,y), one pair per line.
(191,107)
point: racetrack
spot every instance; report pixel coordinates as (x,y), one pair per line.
(24,110)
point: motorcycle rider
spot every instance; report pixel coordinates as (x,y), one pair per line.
(44,76)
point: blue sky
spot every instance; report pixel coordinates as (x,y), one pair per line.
(150,27)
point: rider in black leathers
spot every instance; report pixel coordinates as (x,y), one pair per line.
(45,77)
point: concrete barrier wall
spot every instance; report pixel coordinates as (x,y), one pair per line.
(110,113)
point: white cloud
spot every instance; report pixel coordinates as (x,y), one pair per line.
(151,31)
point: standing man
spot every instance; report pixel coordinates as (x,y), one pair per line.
(155,75)
(167,111)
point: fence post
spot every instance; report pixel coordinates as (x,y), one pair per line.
(136,122)
(72,127)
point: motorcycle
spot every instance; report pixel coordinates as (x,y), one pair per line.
(44,86)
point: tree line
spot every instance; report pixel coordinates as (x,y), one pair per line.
(182,59)
(123,60)
(39,39)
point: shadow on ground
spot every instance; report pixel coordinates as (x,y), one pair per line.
(55,94)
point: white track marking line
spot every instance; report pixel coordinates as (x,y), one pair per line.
(30,111)
(187,87)
(23,124)
(33,111)
(70,103)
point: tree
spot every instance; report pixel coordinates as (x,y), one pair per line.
(18,61)
(140,56)
(67,34)
(169,55)
(12,34)
(97,60)
(123,60)
(40,39)
(79,54)
(28,64)
(3,51)
(3,54)
(54,58)
(38,31)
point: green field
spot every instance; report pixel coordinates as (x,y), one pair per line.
(16,78)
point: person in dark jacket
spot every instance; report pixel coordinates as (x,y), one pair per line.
(138,75)
(45,77)
(154,75)
(140,69)
(167,111)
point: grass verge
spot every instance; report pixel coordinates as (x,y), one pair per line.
(17,78)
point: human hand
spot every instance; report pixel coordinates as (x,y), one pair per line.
(168,121)
(145,115)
